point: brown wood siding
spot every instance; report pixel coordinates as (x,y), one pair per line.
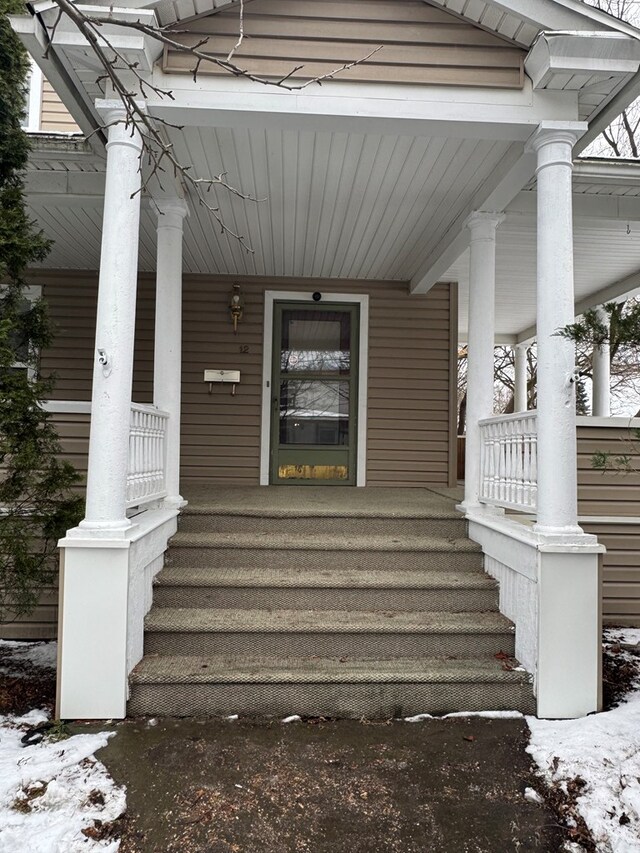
(613,495)
(71,298)
(418,43)
(409,394)
(54,116)
(42,623)
(621,571)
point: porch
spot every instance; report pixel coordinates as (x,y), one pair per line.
(372,191)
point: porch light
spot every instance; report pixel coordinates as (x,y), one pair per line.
(236,306)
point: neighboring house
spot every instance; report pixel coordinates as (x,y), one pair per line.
(398,201)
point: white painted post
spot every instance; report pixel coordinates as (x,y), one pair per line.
(482,283)
(520,395)
(601,365)
(115,332)
(557,479)
(167,364)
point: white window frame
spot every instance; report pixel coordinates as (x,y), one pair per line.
(34,100)
(31,293)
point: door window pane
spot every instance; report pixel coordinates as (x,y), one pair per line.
(315,341)
(314,411)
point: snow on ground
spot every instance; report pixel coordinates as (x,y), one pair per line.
(40,655)
(603,750)
(53,790)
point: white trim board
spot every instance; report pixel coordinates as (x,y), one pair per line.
(69,407)
(271,296)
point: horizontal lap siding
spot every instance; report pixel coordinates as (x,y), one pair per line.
(71,298)
(408,438)
(54,115)
(409,376)
(610,493)
(42,623)
(409,387)
(413,43)
(613,495)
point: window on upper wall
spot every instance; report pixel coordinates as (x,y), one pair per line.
(31,294)
(33,107)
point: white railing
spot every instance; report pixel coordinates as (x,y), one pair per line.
(147,452)
(508,462)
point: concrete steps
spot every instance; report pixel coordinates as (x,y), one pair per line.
(328,633)
(377,689)
(276,609)
(329,551)
(333,589)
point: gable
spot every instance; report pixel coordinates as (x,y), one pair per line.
(419,43)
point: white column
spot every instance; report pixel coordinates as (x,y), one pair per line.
(167,364)
(601,366)
(520,391)
(115,331)
(557,479)
(482,283)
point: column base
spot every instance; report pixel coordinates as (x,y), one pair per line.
(559,534)
(175,502)
(87,529)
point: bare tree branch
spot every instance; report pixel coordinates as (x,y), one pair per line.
(156,147)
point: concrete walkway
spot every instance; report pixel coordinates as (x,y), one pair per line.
(438,786)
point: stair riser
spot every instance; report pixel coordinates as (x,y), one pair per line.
(328,644)
(451,600)
(350,701)
(300,559)
(455,528)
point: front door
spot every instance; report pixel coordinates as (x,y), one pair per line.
(315,387)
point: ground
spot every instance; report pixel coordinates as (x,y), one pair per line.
(464,784)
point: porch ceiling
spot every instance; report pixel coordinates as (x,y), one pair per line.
(351,206)
(331,205)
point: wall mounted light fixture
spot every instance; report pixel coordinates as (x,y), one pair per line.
(236,306)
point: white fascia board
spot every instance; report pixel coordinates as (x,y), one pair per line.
(610,54)
(360,108)
(604,210)
(505,183)
(43,184)
(616,292)
(121,38)
(606,171)
(35,39)
(562,15)
(610,110)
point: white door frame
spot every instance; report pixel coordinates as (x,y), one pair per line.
(271,296)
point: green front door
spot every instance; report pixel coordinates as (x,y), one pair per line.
(315,388)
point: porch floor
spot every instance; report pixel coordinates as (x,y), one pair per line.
(348,502)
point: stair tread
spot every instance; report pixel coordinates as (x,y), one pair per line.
(326,542)
(179,576)
(197,620)
(212,669)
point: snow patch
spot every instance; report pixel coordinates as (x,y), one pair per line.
(294,718)
(603,750)
(532,796)
(76,791)
(491,715)
(42,655)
